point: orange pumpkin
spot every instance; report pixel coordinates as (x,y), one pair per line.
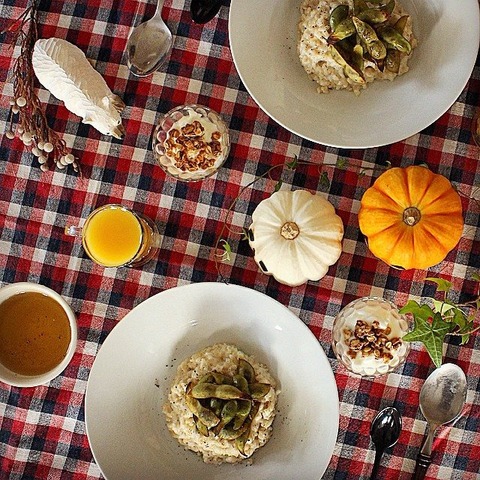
(411,217)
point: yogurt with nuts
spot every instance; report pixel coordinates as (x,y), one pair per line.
(193,147)
(367,337)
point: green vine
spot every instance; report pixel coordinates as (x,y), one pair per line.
(223,249)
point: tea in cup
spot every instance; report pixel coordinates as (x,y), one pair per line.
(115,236)
(38,334)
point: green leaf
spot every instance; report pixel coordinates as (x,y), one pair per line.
(442,306)
(293,164)
(278,186)
(324,181)
(469,326)
(227,254)
(442,284)
(432,335)
(245,234)
(421,311)
(464,325)
(476,276)
(342,162)
(459,317)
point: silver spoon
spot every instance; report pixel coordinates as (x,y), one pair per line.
(442,398)
(385,431)
(149,45)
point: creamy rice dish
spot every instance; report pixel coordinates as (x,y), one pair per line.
(315,47)
(206,413)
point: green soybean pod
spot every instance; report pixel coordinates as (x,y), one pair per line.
(338,14)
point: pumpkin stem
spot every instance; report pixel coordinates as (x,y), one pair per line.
(289,231)
(411,216)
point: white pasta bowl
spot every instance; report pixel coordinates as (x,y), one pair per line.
(263,40)
(134,369)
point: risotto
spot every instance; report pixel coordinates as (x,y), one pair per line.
(315,49)
(222,404)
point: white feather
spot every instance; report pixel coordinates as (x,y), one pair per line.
(63,69)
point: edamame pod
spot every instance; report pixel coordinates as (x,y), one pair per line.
(229,411)
(241,383)
(344,29)
(349,70)
(394,39)
(207,417)
(259,390)
(392,60)
(221,379)
(223,392)
(246,370)
(400,24)
(357,58)
(201,427)
(368,36)
(374,15)
(243,411)
(339,13)
(228,433)
(359,6)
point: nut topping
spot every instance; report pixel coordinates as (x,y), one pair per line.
(371,340)
(189,150)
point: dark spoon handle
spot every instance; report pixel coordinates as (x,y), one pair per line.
(376,464)
(202,11)
(421,467)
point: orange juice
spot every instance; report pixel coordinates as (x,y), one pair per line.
(112,236)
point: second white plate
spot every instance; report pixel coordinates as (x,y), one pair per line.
(263,40)
(134,368)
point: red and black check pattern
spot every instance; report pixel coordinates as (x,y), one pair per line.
(42,430)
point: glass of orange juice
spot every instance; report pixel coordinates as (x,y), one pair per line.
(115,236)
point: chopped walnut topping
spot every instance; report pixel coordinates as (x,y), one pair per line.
(371,340)
(189,150)
(194,129)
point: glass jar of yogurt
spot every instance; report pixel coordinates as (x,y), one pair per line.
(367,337)
(191,142)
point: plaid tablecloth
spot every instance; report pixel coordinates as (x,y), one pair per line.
(42,430)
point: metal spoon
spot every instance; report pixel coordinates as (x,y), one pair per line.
(149,45)
(442,398)
(203,11)
(385,431)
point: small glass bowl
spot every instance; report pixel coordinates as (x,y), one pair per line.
(178,118)
(367,362)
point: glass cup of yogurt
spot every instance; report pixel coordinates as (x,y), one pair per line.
(191,142)
(367,337)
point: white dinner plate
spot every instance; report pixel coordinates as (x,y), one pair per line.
(135,366)
(263,40)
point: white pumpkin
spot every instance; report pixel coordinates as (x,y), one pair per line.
(296,236)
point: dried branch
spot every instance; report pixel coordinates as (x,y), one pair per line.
(26,109)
